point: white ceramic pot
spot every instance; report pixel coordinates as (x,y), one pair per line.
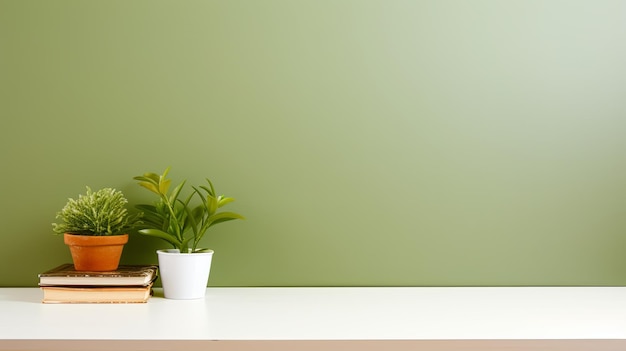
(184,276)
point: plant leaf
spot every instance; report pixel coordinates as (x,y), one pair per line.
(150,213)
(164,186)
(212,205)
(148,177)
(174,196)
(212,192)
(184,247)
(147,208)
(221,201)
(161,235)
(223,217)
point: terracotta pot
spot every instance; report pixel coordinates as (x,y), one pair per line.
(96,253)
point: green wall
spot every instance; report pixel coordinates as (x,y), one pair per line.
(368,142)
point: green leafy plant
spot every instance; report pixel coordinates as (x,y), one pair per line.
(102,212)
(180,221)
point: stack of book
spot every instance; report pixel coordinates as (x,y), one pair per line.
(127,284)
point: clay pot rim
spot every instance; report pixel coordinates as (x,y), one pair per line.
(95,240)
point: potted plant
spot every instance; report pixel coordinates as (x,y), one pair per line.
(95,228)
(182,222)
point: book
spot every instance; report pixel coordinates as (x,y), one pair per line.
(127,294)
(125,275)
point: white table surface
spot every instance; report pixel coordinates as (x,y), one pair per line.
(430,313)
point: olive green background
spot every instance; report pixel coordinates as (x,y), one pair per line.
(368,143)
